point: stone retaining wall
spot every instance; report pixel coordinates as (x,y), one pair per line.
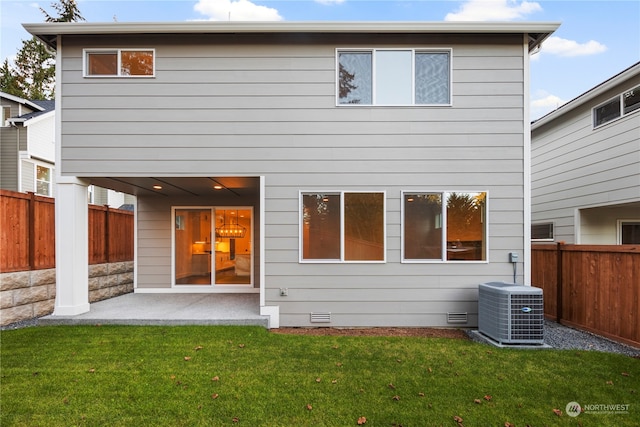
(27,295)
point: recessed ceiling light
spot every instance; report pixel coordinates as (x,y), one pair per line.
(157,187)
(217,187)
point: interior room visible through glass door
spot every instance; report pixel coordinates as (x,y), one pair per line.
(233,246)
(193,246)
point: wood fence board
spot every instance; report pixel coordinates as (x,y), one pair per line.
(29,243)
(600,287)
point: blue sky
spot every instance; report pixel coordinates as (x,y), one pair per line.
(597,39)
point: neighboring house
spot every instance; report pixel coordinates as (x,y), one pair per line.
(352,174)
(586,166)
(27,156)
(27,145)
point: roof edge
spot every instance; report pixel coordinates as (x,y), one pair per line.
(587,96)
(19,100)
(47,32)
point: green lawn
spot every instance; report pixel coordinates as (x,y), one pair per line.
(210,376)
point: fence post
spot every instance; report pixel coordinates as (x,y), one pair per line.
(32,230)
(559,274)
(106,235)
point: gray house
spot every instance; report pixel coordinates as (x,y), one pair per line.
(351,174)
(586,166)
(27,144)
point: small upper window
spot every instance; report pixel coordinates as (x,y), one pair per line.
(617,107)
(43,181)
(542,231)
(120,63)
(394,77)
(5,114)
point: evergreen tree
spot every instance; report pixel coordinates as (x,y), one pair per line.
(33,76)
(8,80)
(35,70)
(67,12)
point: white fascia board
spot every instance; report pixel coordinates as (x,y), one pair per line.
(48,31)
(47,115)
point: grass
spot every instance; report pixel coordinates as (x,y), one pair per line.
(217,376)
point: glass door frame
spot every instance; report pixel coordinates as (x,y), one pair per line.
(212,286)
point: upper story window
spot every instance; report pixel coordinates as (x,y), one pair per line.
(119,63)
(5,113)
(394,77)
(617,107)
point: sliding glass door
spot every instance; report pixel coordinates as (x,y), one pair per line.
(213,246)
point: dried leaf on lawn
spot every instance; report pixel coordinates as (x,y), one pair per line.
(361,421)
(558,412)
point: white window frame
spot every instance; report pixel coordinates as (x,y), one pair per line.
(620,100)
(619,224)
(373,51)
(342,259)
(36,180)
(553,231)
(443,259)
(118,52)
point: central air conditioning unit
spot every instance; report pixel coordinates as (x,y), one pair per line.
(510,313)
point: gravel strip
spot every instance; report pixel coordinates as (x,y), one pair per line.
(563,337)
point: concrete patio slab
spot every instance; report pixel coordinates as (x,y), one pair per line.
(169,309)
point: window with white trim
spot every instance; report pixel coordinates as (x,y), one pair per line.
(542,231)
(444,226)
(394,77)
(43,180)
(623,104)
(342,227)
(5,114)
(629,232)
(119,63)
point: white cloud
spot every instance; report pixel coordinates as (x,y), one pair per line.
(236,10)
(569,48)
(545,103)
(493,10)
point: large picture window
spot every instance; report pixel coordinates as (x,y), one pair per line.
(342,226)
(120,63)
(394,77)
(444,226)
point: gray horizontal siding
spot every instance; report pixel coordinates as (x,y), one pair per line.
(226,106)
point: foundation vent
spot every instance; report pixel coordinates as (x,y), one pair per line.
(457,318)
(320,317)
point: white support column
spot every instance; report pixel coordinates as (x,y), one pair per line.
(72,247)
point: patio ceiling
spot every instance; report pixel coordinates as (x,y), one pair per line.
(180,186)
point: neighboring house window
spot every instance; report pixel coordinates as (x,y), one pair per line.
(120,63)
(629,232)
(43,181)
(342,226)
(542,231)
(394,77)
(5,115)
(443,226)
(621,105)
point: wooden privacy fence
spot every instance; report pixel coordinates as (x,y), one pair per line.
(596,288)
(27,233)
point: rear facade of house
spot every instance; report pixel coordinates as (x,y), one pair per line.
(352,174)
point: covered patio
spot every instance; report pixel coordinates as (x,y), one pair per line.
(169,309)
